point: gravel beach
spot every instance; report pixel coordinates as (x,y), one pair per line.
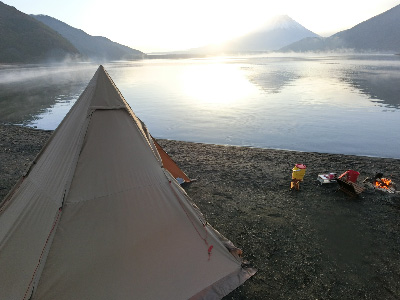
(315,243)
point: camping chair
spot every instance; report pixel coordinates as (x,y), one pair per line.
(349,187)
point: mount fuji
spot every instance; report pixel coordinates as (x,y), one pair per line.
(276,33)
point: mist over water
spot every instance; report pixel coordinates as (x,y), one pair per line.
(332,104)
(31,93)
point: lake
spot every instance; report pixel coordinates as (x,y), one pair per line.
(348,104)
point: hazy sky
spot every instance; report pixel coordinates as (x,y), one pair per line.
(163,25)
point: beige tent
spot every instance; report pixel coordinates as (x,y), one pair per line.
(98,217)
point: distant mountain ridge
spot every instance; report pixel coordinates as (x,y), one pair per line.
(93,47)
(25,40)
(275,34)
(378,34)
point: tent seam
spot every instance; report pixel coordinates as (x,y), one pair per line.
(134,117)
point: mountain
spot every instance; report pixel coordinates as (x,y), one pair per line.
(93,47)
(378,34)
(276,33)
(26,40)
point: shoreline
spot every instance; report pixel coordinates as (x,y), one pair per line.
(313,243)
(276,149)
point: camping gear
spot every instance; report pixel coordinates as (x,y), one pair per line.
(348,183)
(349,187)
(350,175)
(327,178)
(97,216)
(298,173)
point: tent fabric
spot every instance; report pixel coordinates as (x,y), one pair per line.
(170,165)
(98,217)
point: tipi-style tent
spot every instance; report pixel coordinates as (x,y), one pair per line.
(98,217)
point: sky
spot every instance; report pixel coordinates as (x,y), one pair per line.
(169,25)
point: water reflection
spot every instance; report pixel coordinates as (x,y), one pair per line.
(296,103)
(27,92)
(269,75)
(382,86)
(376,76)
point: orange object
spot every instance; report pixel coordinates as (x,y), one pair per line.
(169,164)
(295,184)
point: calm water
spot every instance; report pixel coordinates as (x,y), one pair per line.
(336,104)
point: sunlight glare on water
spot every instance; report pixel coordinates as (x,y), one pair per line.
(216,84)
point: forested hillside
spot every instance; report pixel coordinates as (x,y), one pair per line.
(26,40)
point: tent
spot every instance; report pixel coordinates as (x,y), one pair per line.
(170,165)
(97,216)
